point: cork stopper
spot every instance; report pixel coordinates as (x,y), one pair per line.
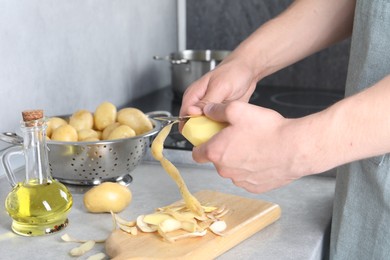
(32,115)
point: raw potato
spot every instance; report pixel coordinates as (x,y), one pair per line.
(122,131)
(105,115)
(81,119)
(136,119)
(64,133)
(100,126)
(107,197)
(87,134)
(53,123)
(200,129)
(107,131)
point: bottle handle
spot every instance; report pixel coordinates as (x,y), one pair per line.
(5,159)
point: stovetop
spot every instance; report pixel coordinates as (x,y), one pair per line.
(288,101)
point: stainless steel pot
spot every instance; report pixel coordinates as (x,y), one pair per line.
(190,65)
(91,163)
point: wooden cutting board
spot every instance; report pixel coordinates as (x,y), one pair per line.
(245,218)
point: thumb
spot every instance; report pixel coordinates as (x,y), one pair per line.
(216,111)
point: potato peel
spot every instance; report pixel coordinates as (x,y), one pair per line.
(157,152)
(174,222)
(68,238)
(185,219)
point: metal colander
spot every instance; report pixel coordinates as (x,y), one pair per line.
(91,163)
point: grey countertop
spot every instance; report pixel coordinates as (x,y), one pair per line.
(300,233)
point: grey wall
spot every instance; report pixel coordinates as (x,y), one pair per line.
(68,55)
(223,24)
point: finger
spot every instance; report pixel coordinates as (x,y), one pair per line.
(192,96)
(216,111)
(260,187)
(199,155)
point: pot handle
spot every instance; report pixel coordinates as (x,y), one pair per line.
(167,58)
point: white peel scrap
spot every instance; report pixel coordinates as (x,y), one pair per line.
(218,227)
(143,226)
(209,209)
(84,248)
(68,238)
(187,235)
(124,222)
(222,214)
(219,210)
(98,256)
(131,230)
(169,225)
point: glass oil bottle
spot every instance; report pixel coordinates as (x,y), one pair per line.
(38,205)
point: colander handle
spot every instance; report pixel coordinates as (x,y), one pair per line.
(159,113)
(11,138)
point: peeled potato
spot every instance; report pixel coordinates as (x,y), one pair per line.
(122,131)
(84,134)
(64,133)
(105,114)
(106,197)
(107,131)
(200,129)
(136,119)
(81,119)
(53,123)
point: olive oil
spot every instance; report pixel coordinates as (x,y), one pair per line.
(38,209)
(38,205)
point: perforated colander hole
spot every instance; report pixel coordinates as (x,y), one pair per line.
(110,150)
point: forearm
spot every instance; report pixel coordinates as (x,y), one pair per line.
(355,128)
(306,27)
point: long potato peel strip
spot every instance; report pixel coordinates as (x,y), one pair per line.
(157,152)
